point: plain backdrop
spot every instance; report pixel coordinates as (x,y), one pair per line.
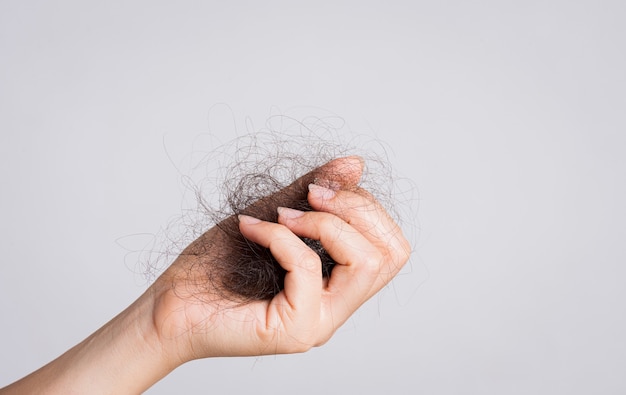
(507,116)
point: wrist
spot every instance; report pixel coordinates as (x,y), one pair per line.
(124,356)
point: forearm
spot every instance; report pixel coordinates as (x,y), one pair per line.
(125,356)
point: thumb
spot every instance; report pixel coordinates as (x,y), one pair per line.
(338,174)
(341,173)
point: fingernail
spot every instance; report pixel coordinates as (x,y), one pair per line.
(289,213)
(246,219)
(321,192)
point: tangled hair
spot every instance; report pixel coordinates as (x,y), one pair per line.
(266,170)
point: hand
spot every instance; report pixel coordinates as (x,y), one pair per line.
(353,227)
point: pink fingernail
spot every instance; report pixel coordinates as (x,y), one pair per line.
(289,213)
(321,192)
(246,219)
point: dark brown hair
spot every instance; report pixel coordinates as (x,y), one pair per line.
(244,270)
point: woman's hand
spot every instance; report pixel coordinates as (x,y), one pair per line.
(367,245)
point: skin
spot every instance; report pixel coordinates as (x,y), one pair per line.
(170,324)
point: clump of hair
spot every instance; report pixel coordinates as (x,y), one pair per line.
(244,176)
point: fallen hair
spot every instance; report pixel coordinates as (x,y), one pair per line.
(246,176)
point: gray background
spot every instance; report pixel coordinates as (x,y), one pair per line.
(507,116)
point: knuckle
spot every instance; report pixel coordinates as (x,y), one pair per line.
(403,252)
(326,221)
(281,230)
(309,260)
(398,248)
(372,263)
(279,233)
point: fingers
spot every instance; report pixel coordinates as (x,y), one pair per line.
(358,260)
(367,216)
(303,280)
(365,242)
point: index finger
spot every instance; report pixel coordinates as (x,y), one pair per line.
(303,281)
